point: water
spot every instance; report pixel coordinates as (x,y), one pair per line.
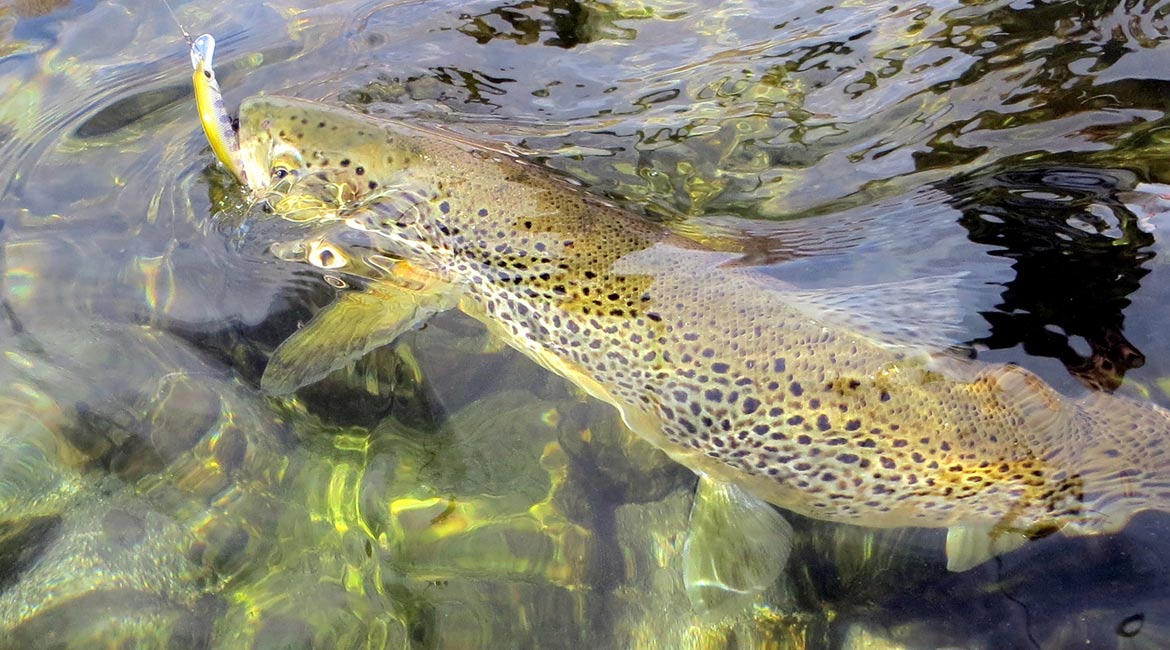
(151,496)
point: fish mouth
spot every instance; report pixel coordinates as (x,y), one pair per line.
(301,198)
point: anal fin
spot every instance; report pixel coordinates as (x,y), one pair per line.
(970,546)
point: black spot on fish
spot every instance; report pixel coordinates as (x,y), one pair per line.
(444,207)
(823,423)
(720,368)
(795,420)
(750,404)
(796,389)
(345,162)
(482,212)
(359,170)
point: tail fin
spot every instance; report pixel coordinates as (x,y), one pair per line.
(1124,465)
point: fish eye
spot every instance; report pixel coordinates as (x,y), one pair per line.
(279,172)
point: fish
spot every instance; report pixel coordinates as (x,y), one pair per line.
(824,403)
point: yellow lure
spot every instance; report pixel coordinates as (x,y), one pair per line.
(217,124)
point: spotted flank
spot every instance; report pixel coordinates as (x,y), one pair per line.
(217,124)
(805,400)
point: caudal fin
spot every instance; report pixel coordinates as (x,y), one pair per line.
(1124,465)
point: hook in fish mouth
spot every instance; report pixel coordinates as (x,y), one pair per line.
(324,202)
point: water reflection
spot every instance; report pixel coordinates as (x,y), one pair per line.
(1077,253)
(563,23)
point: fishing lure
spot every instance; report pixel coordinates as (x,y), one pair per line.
(217,124)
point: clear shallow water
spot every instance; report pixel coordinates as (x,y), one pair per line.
(152,497)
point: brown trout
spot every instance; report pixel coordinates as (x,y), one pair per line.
(732,373)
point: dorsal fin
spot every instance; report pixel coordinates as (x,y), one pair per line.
(920,314)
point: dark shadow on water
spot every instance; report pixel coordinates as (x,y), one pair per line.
(1078,253)
(1113,586)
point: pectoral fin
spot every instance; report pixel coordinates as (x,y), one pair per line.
(353,325)
(736,548)
(970,546)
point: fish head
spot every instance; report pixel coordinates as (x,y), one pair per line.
(313,163)
(314,157)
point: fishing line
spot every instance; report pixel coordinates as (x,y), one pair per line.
(186,36)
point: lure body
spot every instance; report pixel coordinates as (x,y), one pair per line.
(217,124)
